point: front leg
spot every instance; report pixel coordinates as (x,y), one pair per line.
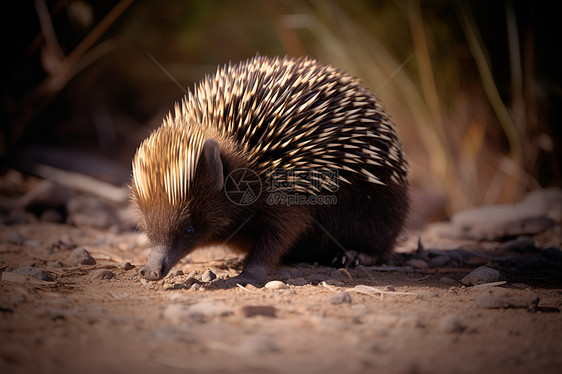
(274,234)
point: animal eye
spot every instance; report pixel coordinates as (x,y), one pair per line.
(189,230)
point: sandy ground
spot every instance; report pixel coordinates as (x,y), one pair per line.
(408,317)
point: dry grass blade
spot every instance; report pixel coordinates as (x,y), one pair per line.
(477,48)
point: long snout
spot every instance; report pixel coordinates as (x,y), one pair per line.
(158,265)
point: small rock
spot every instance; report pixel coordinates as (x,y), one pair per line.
(420,264)
(504,298)
(101,274)
(276,285)
(208,276)
(28,271)
(254,310)
(127,266)
(481,275)
(176,273)
(451,324)
(34,272)
(390,288)
(80,256)
(195,287)
(340,298)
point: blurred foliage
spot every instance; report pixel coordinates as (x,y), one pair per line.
(469,84)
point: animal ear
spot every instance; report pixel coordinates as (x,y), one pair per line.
(212,156)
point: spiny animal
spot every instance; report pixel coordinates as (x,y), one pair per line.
(286,158)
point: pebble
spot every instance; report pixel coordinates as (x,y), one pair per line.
(208,276)
(420,264)
(451,324)
(27,271)
(256,310)
(176,273)
(340,298)
(276,285)
(481,275)
(195,287)
(504,298)
(101,274)
(34,272)
(127,266)
(80,256)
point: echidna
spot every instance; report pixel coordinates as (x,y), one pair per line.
(310,149)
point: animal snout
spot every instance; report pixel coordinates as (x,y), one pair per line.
(150,273)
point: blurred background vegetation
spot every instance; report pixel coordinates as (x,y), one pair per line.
(473,86)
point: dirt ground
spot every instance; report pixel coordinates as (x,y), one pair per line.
(411,316)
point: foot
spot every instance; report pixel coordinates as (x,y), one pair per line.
(255,276)
(351,259)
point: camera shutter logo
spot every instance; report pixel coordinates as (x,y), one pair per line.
(243,186)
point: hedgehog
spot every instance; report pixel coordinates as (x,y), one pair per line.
(227,161)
